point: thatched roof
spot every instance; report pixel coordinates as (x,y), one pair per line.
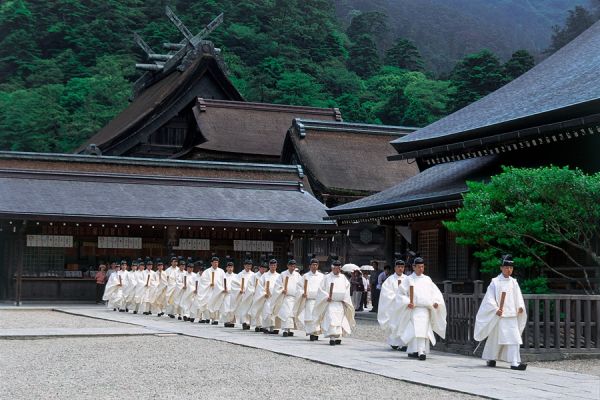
(348,158)
(563,87)
(245,128)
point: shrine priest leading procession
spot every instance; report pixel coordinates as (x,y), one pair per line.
(421,312)
(501,319)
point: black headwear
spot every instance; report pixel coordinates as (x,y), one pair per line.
(399,262)
(418,260)
(507,261)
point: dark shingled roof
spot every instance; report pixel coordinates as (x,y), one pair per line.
(347,157)
(250,128)
(118,195)
(564,86)
(159,98)
(437,184)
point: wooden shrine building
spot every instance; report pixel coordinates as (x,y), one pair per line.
(549,115)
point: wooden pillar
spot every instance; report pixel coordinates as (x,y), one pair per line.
(390,244)
(20,249)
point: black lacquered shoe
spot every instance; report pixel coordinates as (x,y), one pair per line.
(491,363)
(520,367)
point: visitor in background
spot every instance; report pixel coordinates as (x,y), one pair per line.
(373,284)
(100,283)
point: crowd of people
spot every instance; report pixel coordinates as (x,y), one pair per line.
(410,309)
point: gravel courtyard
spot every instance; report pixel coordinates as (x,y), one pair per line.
(171,367)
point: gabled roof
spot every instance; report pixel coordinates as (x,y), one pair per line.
(441,185)
(250,128)
(163,98)
(31,188)
(347,158)
(565,86)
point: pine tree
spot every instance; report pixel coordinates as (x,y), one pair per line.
(404,54)
(519,63)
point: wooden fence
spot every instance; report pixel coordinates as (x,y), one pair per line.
(557,325)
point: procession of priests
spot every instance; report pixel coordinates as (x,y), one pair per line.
(271,301)
(411,308)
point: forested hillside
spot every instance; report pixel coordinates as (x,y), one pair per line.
(67,67)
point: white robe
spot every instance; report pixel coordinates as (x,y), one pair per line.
(305,306)
(228,302)
(188,293)
(130,285)
(113,292)
(159,289)
(171,283)
(178,291)
(244,300)
(209,301)
(258,301)
(283,304)
(390,302)
(501,332)
(336,317)
(268,317)
(421,322)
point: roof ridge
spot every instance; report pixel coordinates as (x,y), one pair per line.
(204,103)
(302,125)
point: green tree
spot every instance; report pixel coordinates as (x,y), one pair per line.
(475,76)
(578,20)
(363,59)
(531,212)
(404,54)
(519,63)
(372,23)
(300,89)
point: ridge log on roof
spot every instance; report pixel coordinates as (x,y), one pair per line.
(555,97)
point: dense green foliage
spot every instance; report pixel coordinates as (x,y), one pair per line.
(578,20)
(546,217)
(66,66)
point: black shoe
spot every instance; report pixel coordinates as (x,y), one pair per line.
(403,348)
(245,326)
(332,342)
(520,367)
(422,357)
(171,316)
(338,341)
(275,332)
(285,334)
(313,338)
(160,314)
(185,318)
(491,363)
(121,310)
(290,334)
(179,318)
(257,329)
(135,312)
(413,355)
(114,309)
(229,325)
(149,313)
(191,320)
(127,310)
(215,323)
(394,347)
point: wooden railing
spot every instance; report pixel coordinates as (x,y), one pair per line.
(555,323)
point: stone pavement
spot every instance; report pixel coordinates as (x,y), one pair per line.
(20,333)
(440,370)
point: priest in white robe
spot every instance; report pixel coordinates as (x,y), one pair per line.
(158,297)
(333,309)
(231,291)
(258,299)
(188,292)
(501,319)
(171,272)
(148,289)
(422,312)
(131,286)
(268,284)
(246,279)
(180,284)
(113,291)
(309,288)
(390,303)
(285,293)
(212,284)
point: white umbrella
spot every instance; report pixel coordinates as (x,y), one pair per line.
(367,268)
(350,267)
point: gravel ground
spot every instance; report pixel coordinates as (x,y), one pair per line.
(16,319)
(369,330)
(65,368)
(179,367)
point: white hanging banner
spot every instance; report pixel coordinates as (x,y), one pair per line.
(253,245)
(193,244)
(113,242)
(49,241)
